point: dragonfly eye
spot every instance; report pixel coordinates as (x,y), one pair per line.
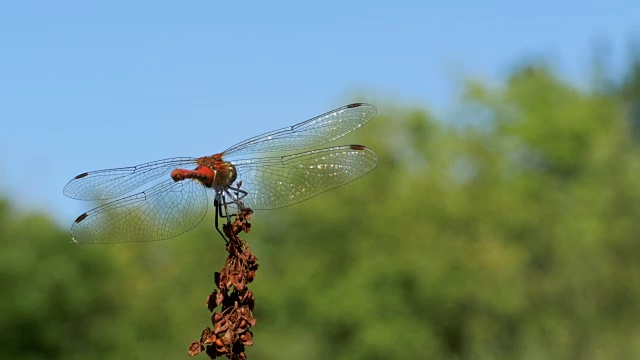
(224,176)
(233,174)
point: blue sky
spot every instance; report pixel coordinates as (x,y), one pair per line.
(86,86)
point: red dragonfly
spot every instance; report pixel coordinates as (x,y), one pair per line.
(178,199)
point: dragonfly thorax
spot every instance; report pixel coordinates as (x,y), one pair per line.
(220,175)
(225,176)
(212,172)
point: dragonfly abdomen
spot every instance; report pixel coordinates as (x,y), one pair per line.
(203,174)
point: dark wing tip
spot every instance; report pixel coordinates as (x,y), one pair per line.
(366,108)
(357,147)
(81,217)
(81,175)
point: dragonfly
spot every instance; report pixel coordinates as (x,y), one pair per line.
(176,198)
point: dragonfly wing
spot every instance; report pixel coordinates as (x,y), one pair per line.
(161,212)
(313,132)
(111,183)
(276,182)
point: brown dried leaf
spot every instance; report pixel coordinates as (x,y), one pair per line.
(247,338)
(195,348)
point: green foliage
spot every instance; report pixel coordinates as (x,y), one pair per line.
(70,301)
(510,233)
(629,91)
(510,238)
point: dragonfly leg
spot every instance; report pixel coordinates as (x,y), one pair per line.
(237,197)
(239,194)
(218,209)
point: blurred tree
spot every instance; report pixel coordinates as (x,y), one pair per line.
(630,90)
(509,238)
(70,301)
(51,299)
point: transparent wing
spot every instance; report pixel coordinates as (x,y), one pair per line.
(276,182)
(313,132)
(161,212)
(111,183)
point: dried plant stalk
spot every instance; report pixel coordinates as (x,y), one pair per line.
(230,333)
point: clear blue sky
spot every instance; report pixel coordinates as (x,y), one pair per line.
(85,86)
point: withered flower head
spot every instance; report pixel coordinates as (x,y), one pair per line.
(230,333)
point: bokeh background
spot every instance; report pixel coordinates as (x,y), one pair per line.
(500,223)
